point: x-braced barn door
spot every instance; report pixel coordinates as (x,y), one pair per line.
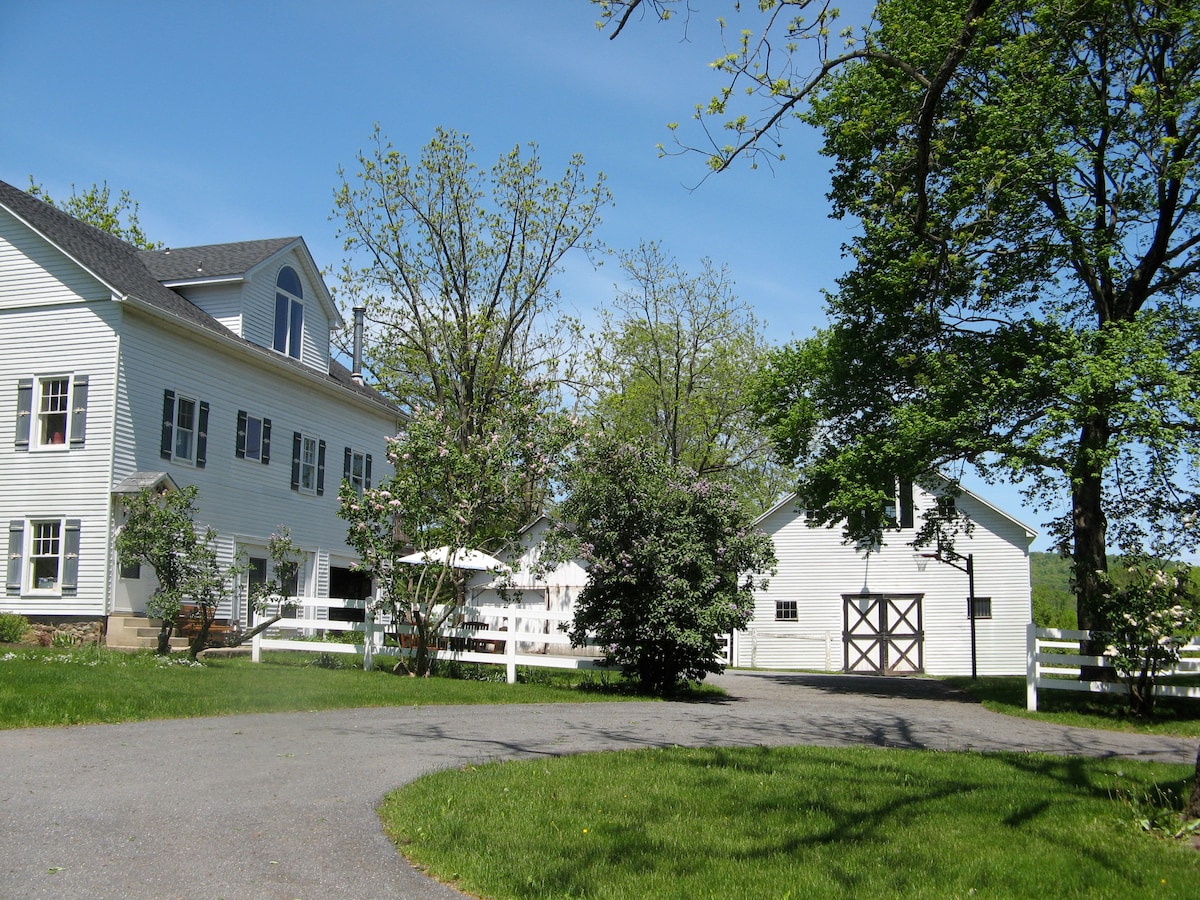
(883,635)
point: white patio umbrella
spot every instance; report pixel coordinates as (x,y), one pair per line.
(456,558)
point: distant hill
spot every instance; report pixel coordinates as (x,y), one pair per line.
(1050,580)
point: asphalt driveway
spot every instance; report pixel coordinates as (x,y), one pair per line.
(283,805)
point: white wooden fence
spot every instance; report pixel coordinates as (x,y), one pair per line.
(769,641)
(513,635)
(1053,662)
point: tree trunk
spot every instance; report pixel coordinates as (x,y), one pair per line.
(1090,531)
(164,638)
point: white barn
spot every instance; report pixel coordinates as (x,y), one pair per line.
(206,365)
(832,607)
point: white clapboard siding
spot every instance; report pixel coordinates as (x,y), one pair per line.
(816,569)
(36,274)
(221,301)
(72,482)
(242,496)
(258,310)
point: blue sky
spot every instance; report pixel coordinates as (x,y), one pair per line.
(228,121)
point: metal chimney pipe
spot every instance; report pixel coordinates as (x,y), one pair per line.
(356,371)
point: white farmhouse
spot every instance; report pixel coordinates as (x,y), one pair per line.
(208,366)
(833,607)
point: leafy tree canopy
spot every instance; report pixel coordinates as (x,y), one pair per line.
(454,263)
(96,206)
(1023,293)
(668,371)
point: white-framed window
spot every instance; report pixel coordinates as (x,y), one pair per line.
(787,611)
(289,313)
(356,468)
(51,412)
(184,429)
(308,464)
(43,556)
(253,438)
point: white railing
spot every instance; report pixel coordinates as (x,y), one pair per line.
(781,634)
(1053,663)
(509,640)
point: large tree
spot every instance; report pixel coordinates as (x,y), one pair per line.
(1022,299)
(454,264)
(668,368)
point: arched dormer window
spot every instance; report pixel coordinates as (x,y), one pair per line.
(289,312)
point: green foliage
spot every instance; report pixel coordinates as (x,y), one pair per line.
(668,371)
(454,265)
(1053,601)
(97,207)
(449,491)
(12,627)
(1145,623)
(159,530)
(673,561)
(90,684)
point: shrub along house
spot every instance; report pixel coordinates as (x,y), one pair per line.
(210,366)
(833,607)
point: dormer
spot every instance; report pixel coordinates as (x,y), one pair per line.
(269,293)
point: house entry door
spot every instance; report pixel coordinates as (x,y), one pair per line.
(883,634)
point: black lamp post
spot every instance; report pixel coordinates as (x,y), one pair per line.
(963,564)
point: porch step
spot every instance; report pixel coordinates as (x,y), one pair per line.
(136,633)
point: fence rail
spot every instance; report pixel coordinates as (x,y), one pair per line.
(781,636)
(1054,662)
(512,642)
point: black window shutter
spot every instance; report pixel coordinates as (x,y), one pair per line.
(168,425)
(79,393)
(239,448)
(367,473)
(266,441)
(320,468)
(16,548)
(346,463)
(70,577)
(24,412)
(202,437)
(906,504)
(296,442)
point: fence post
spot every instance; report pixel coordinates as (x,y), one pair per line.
(368,639)
(255,649)
(1032,667)
(510,646)
(828,652)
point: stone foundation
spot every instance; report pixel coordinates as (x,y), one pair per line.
(48,634)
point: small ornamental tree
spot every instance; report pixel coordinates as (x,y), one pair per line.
(470,493)
(673,561)
(160,530)
(278,590)
(1150,618)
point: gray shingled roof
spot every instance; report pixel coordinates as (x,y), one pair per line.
(212,260)
(136,273)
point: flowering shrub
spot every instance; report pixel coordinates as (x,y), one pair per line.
(1148,619)
(455,485)
(672,563)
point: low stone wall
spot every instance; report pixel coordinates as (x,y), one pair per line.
(46,634)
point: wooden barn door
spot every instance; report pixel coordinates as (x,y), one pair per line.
(883,634)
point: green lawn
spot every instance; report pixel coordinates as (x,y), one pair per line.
(797,823)
(91,684)
(1108,711)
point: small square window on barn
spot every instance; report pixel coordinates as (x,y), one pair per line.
(983,607)
(786,611)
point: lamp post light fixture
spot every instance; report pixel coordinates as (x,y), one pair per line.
(963,564)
